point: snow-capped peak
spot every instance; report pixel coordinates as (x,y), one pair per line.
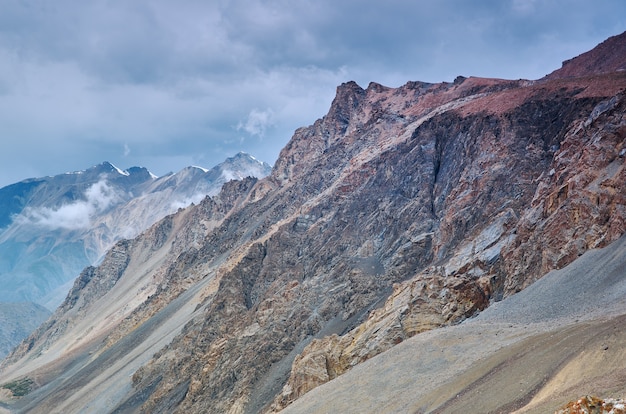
(200,168)
(121,172)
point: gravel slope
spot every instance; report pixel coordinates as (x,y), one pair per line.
(560,338)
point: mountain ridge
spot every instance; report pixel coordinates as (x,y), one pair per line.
(607,57)
(60,224)
(74,202)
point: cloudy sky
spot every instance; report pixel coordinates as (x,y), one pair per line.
(166,84)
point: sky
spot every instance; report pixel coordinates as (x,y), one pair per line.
(166,84)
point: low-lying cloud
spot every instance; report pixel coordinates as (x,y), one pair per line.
(73,216)
(186,202)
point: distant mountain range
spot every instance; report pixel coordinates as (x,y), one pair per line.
(51,228)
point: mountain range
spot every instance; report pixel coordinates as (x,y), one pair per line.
(51,228)
(450,247)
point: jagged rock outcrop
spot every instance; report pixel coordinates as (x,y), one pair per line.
(462,180)
(530,353)
(579,203)
(328,260)
(402,210)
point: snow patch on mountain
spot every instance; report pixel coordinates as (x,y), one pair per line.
(119,171)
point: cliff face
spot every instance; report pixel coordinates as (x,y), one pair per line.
(567,197)
(385,189)
(400,211)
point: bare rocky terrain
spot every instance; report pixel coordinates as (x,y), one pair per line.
(533,352)
(452,247)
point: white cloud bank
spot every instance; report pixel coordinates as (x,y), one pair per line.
(74,216)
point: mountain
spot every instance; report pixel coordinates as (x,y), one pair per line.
(607,57)
(53,227)
(384,238)
(17,321)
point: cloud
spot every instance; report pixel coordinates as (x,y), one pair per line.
(186,202)
(74,216)
(258,122)
(178,81)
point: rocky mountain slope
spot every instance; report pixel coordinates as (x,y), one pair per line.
(17,321)
(52,227)
(400,211)
(530,353)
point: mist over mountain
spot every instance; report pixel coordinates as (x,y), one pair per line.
(449,247)
(51,228)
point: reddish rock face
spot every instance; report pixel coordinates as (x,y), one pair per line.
(402,210)
(607,57)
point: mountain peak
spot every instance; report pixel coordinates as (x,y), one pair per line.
(348,97)
(141,171)
(242,165)
(242,154)
(349,90)
(244,157)
(609,56)
(105,167)
(376,87)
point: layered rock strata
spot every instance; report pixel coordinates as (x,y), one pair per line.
(573,202)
